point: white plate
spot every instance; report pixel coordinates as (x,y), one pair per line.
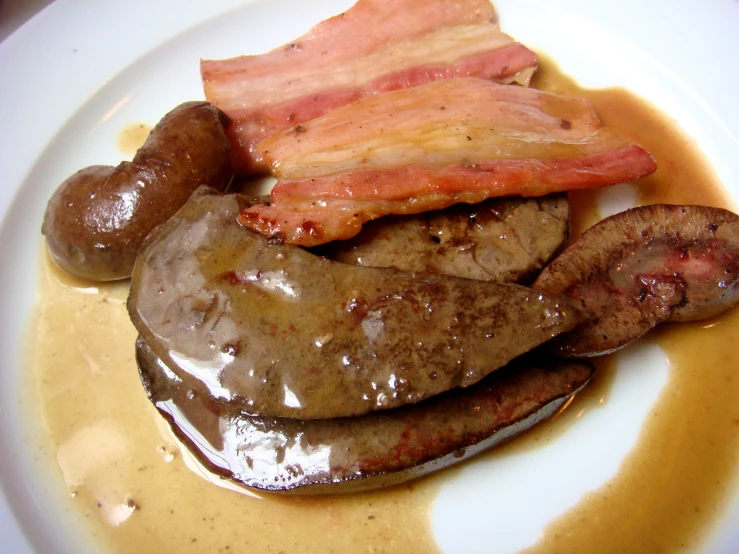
(73,76)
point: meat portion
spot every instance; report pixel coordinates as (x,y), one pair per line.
(275,330)
(97,220)
(426,148)
(506,240)
(642,267)
(360,453)
(439,124)
(374,47)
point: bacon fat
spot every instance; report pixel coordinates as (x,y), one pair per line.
(375,47)
(425,148)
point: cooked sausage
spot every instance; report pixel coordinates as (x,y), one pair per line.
(97,219)
(280,332)
(505,240)
(359,453)
(642,267)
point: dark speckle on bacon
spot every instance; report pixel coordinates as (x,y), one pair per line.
(311,228)
(230,277)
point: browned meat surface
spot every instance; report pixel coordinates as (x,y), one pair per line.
(97,220)
(359,453)
(280,332)
(505,240)
(642,267)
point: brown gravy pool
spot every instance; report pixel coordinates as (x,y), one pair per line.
(127,478)
(131,137)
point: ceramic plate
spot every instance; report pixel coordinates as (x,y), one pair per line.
(79,71)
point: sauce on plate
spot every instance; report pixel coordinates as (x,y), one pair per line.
(128,479)
(131,138)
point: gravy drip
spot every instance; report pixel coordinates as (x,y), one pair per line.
(127,478)
(131,138)
(672,486)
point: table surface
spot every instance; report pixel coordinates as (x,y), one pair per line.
(14,13)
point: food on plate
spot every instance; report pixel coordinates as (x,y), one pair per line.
(374,47)
(224,436)
(642,267)
(285,369)
(431,146)
(275,330)
(359,453)
(97,220)
(506,240)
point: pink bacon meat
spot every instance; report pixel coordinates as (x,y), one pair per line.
(376,46)
(428,147)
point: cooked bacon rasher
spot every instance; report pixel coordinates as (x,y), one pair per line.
(428,147)
(376,46)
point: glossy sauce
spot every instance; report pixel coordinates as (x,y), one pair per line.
(126,476)
(672,486)
(131,138)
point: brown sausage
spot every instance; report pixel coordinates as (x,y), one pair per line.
(366,452)
(97,220)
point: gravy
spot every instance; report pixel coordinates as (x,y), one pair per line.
(131,138)
(679,477)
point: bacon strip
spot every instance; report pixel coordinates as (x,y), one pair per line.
(377,46)
(460,140)
(454,121)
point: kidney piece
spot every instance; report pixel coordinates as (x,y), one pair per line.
(505,240)
(643,267)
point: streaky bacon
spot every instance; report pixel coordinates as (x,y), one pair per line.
(445,122)
(425,148)
(376,46)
